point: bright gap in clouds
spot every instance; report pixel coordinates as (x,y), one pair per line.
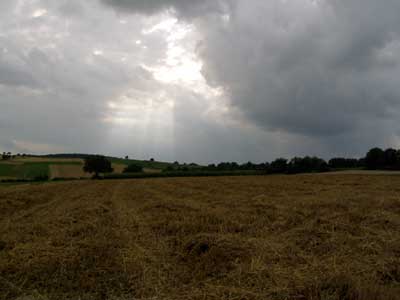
(39,13)
(148,116)
(180,65)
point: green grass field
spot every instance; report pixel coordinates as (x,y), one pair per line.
(30,170)
(7,170)
(142,163)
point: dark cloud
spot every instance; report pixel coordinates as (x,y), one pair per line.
(15,76)
(314,68)
(185,8)
(14,70)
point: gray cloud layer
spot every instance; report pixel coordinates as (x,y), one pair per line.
(313,69)
(299,77)
(323,69)
(185,8)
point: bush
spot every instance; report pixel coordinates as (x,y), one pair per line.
(43,177)
(307,165)
(345,163)
(132,168)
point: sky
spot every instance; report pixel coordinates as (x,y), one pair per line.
(200,80)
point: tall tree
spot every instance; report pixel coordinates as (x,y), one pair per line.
(97,164)
(375,159)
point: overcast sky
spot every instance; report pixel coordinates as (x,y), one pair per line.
(200,80)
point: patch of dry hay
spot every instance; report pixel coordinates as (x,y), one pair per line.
(210,256)
(67,171)
(118,168)
(46,159)
(277,237)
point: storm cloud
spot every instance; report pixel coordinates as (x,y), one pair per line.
(314,68)
(200,80)
(184,8)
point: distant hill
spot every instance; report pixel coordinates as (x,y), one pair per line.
(116,160)
(64,165)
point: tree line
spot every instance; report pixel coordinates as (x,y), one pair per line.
(9,155)
(378,159)
(375,159)
(278,166)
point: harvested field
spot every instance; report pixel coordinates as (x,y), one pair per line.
(365,172)
(67,171)
(118,168)
(47,160)
(320,237)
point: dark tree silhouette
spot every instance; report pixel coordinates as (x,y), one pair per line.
(345,163)
(390,158)
(375,159)
(228,166)
(279,165)
(132,168)
(6,156)
(307,164)
(97,164)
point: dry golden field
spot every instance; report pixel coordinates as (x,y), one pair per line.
(276,237)
(67,171)
(46,159)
